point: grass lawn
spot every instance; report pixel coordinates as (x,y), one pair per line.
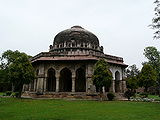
(154,97)
(28,109)
(1,94)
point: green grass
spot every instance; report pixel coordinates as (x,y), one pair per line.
(1,93)
(28,109)
(154,97)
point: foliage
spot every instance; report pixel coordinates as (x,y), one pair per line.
(156,20)
(132,82)
(153,56)
(132,71)
(110,96)
(19,69)
(8,93)
(15,94)
(129,93)
(132,77)
(8,57)
(102,77)
(147,77)
(42,109)
(3,75)
(144,95)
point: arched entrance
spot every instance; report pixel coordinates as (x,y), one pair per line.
(117,81)
(51,80)
(80,81)
(65,80)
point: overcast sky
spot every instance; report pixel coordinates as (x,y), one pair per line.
(121,25)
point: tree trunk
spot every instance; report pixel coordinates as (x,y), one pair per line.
(20,91)
(102,97)
(159,90)
(13,88)
(146,89)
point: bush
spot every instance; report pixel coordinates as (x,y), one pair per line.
(110,96)
(4,94)
(15,94)
(144,95)
(129,94)
(8,93)
(39,93)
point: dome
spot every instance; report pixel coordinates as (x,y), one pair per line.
(75,41)
(76,34)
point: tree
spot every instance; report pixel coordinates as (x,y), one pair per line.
(153,56)
(156,20)
(19,69)
(132,77)
(102,77)
(132,71)
(147,77)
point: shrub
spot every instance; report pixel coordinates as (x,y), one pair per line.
(129,94)
(39,93)
(110,96)
(144,95)
(8,93)
(15,94)
(4,94)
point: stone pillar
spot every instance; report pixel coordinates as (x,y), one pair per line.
(29,86)
(44,84)
(120,86)
(57,81)
(73,81)
(89,85)
(57,84)
(124,88)
(35,85)
(40,82)
(112,89)
(90,88)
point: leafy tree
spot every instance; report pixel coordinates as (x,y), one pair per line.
(132,77)
(8,57)
(19,69)
(147,77)
(132,71)
(129,93)
(102,77)
(3,76)
(153,56)
(156,20)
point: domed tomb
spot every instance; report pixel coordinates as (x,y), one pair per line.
(75,38)
(68,67)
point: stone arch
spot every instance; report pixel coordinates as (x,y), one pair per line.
(117,81)
(80,80)
(65,80)
(51,80)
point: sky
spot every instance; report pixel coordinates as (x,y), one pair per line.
(121,25)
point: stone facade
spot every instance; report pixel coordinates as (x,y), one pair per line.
(68,66)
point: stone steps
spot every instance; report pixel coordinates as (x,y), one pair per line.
(70,95)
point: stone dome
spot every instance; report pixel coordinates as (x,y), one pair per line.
(76,34)
(76,40)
